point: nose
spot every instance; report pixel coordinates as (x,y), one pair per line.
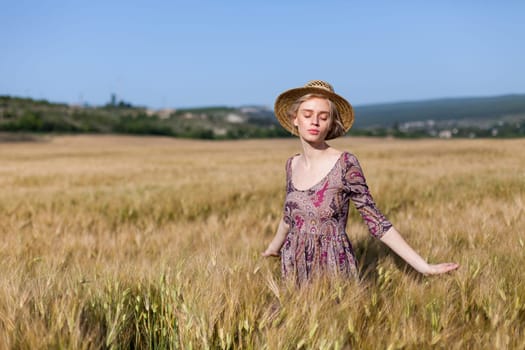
(315,120)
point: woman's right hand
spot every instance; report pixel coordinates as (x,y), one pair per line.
(269,252)
(275,245)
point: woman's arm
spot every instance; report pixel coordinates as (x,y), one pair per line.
(278,240)
(378,225)
(393,239)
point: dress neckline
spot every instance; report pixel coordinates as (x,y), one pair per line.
(318,182)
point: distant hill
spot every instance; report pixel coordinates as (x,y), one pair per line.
(499,116)
(217,122)
(475,109)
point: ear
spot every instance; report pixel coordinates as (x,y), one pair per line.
(295,121)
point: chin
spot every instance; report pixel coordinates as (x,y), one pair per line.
(314,138)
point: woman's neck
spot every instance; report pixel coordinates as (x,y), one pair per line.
(312,152)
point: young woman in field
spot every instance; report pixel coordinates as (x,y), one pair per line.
(320,182)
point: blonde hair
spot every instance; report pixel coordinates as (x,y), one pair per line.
(336,127)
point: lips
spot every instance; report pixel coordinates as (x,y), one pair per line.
(313,131)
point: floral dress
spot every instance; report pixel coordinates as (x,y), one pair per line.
(316,242)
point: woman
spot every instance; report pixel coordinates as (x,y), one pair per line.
(320,182)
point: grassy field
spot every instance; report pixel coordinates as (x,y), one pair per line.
(123,242)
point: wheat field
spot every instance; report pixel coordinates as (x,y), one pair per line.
(113,242)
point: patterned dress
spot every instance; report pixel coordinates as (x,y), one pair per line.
(316,242)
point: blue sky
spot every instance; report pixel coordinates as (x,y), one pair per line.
(198,53)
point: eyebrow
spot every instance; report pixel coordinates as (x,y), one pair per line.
(311,110)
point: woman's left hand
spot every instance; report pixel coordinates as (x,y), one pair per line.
(440,268)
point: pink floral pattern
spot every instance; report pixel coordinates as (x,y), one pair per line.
(317,242)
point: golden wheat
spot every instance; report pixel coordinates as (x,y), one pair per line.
(119,242)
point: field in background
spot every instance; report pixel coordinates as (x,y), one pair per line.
(119,242)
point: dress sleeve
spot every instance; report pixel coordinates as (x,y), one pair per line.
(288,165)
(288,169)
(356,188)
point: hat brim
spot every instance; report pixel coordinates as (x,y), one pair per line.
(285,100)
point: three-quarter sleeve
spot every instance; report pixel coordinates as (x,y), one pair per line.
(356,188)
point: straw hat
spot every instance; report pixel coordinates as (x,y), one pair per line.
(288,98)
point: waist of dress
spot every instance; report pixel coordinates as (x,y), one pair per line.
(326,235)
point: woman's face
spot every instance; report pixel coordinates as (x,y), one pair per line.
(313,119)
